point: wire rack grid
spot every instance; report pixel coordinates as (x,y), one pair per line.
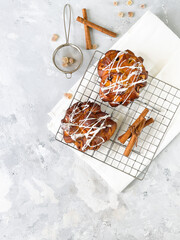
(160,98)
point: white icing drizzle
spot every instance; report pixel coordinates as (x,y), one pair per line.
(121,85)
(92,129)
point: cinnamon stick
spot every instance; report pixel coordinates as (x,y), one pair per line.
(97,27)
(147,123)
(86,29)
(128,133)
(134,138)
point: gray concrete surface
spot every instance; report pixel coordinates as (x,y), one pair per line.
(44,193)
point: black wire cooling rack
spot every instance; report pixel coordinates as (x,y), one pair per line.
(160,98)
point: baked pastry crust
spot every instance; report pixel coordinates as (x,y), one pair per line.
(122,75)
(87,126)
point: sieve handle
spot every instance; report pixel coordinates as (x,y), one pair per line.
(67,28)
(68,75)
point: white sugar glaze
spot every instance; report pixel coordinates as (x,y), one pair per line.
(121,85)
(92,129)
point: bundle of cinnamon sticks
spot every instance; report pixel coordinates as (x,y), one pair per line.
(88,24)
(134,131)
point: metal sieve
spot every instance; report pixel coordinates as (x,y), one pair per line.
(67,50)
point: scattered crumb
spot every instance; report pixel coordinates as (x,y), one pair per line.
(129,2)
(94,46)
(121,14)
(55,37)
(115,3)
(68,95)
(65,60)
(71,61)
(130,14)
(64,64)
(143,5)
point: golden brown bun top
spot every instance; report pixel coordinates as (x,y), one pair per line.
(122,74)
(87,126)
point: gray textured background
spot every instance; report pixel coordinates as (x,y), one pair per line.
(45,193)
